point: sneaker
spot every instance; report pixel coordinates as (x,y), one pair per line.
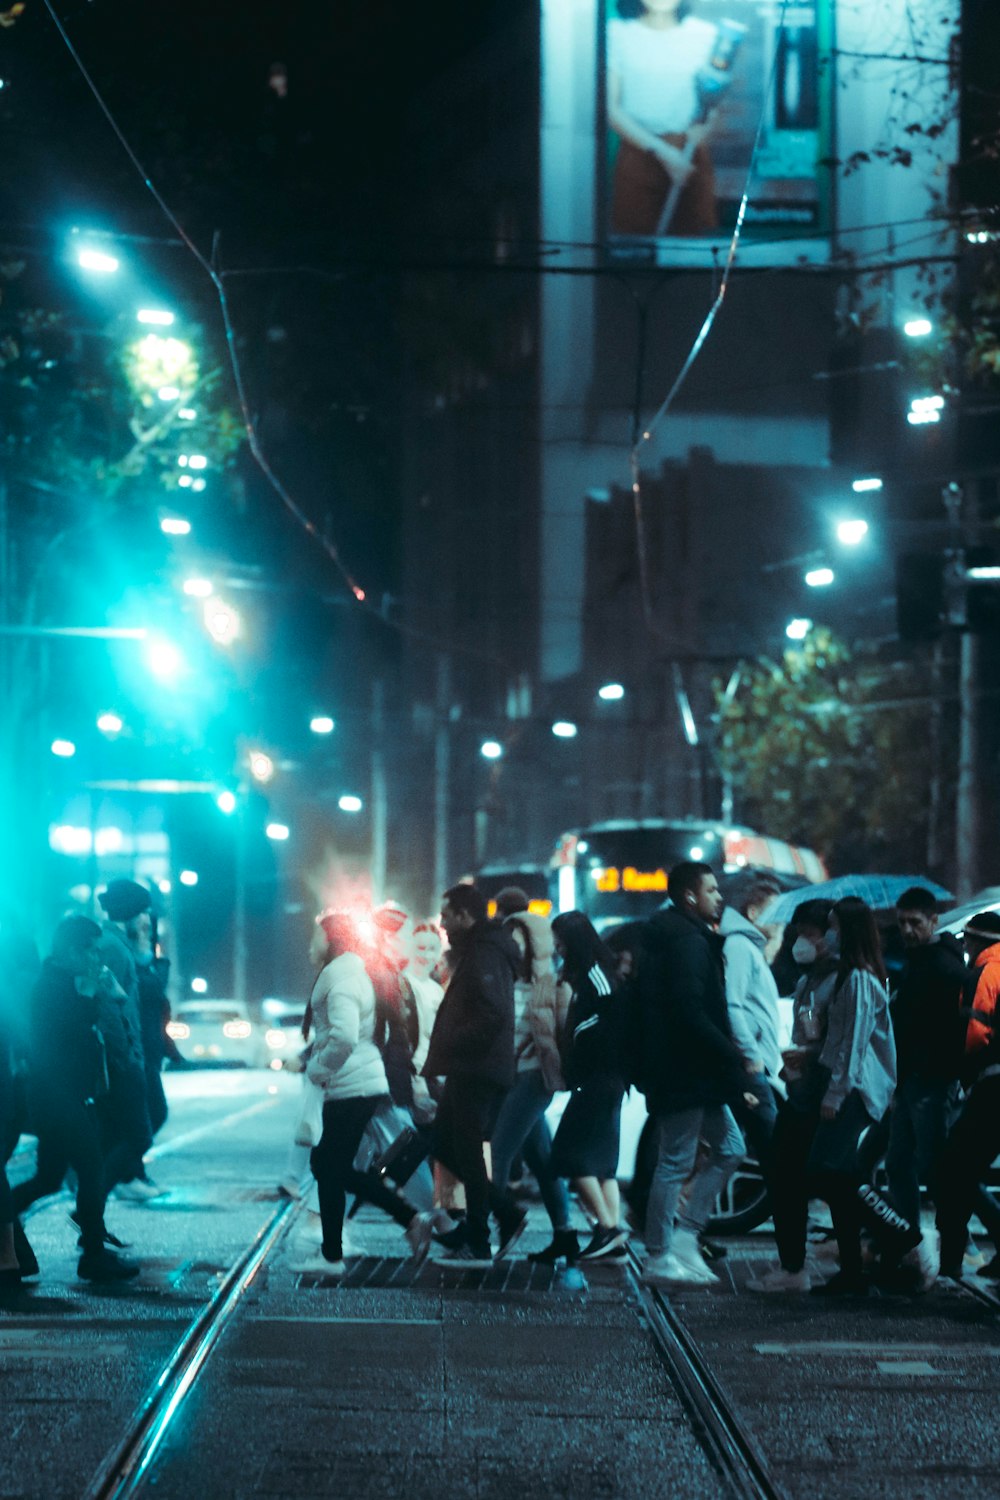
(105,1265)
(602,1243)
(564,1246)
(419,1234)
(843,1285)
(780,1280)
(318,1265)
(109,1238)
(511,1231)
(667,1270)
(459,1247)
(925,1260)
(139,1191)
(686,1249)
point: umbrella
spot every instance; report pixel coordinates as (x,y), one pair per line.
(880,892)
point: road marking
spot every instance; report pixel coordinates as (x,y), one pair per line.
(905,1367)
(177,1141)
(27,1343)
(358,1322)
(873,1351)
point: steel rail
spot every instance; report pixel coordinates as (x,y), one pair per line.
(127,1467)
(731,1448)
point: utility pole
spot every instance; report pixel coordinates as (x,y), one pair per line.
(962,506)
(379,796)
(442,774)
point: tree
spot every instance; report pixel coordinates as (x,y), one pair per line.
(830,748)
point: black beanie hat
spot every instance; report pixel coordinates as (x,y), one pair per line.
(985,924)
(125,899)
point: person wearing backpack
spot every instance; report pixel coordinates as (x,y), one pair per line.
(587,1141)
(694,1072)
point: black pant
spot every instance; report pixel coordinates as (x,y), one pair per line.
(69,1136)
(332,1162)
(788,1183)
(972,1145)
(466,1118)
(124,1115)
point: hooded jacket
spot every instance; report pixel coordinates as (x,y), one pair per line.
(751,993)
(345,1062)
(691,1059)
(65,1049)
(982,991)
(474,1028)
(926,1011)
(541,1006)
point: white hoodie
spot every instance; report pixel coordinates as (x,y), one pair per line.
(751,993)
(345,1062)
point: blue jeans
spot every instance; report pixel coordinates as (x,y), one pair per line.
(923,1112)
(677,1135)
(522,1126)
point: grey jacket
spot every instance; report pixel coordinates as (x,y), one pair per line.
(859,1051)
(751,993)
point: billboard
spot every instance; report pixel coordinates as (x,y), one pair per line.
(686,84)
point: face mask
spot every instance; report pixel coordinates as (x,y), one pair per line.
(803,951)
(831,939)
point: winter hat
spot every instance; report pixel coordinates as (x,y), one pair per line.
(985,924)
(125,899)
(390,917)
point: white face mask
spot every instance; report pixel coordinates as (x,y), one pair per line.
(803,951)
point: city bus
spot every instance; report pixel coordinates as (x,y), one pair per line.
(533,880)
(618,871)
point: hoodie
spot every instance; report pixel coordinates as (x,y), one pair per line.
(751,993)
(474,1028)
(345,1062)
(982,991)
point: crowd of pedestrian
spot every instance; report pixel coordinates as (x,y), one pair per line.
(433,1052)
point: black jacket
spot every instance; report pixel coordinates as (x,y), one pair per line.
(690,1056)
(474,1028)
(593,1043)
(926,1012)
(65,1048)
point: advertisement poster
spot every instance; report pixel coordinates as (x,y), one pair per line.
(686,84)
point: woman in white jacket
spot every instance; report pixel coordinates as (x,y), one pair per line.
(347,1066)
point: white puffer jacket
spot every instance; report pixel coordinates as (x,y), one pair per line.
(345,1062)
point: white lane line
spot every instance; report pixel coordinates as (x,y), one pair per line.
(873,1351)
(227,1121)
(358,1322)
(906,1367)
(27,1343)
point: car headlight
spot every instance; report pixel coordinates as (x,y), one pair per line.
(177,1031)
(276,1038)
(237,1030)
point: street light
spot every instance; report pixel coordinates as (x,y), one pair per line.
(350,804)
(96,260)
(226,802)
(819,578)
(918,328)
(863,486)
(109,724)
(261,766)
(188,877)
(197,461)
(798,629)
(851,532)
(175,526)
(491,750)
(157,316)
(65,749)
(611,692)
(222,622)
(198,588)
(164,659)
(563,730)
(925,409)
(199,986)
(278,832)
(321,724)
(187,414)
(169,393)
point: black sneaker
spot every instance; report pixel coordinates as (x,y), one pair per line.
(603,1243)
(109,1239)
(459,1247)
(564,1246)
(105,1265)
(511,1231)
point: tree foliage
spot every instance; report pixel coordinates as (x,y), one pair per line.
(830,749)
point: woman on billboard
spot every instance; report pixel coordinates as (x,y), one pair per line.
(658,55)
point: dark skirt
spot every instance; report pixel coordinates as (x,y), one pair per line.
(587,1141)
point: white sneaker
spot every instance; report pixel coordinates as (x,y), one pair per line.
(419,1233)
(686,1249)
(780,1280)
(138,1191)
(667,1270)
(925,1258)
(317,1265)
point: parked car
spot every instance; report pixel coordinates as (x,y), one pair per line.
(283,1041)
(218,1032)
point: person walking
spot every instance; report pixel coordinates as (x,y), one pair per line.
(472,1048)
(587,1140)
(814,951)
(859,1062)
(694,1073)
(929,1031)
(752,1006)
(347,1065)
(68,1076)
(541,1007)
(974,1141)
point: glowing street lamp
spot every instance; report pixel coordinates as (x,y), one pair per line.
(109,724)
(188,877)
(175,526)
(199,986)
(491,750)
(350,804)
(169,393)
(65,749)
(222,622)
(164,659)
(851,532)
(819,578)
(96,260)
(321,724)
(198,588)
(864,486)
(226,802)
(925,409)
(277,832)
(158,317)
(918,328)
(261,766)
(797,630)
(611,692)
(564,730)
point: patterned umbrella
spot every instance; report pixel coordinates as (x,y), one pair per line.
(880,892)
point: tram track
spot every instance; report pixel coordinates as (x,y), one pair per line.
(128,1466)
(729,1445)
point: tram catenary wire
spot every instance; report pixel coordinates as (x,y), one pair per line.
(126,1469)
